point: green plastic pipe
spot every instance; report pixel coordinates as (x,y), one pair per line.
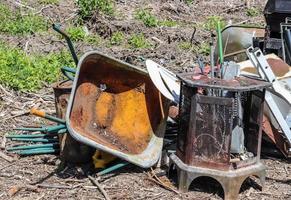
(34,140)
(113,168)
(36,146)
(38,151)
(220,47)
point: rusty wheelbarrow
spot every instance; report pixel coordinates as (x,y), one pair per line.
(116,108)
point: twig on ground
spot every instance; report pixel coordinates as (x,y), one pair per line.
(54,186)
(6,157)
(3,143)
(153,177)
(95,182)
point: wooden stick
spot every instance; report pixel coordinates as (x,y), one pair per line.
(5,157)
(95,182)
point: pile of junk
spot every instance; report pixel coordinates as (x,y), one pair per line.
(213,121)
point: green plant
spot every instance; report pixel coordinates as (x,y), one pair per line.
(204,48)
(49,2)
(76,33)
(168,23)
(252,12)
(16,24)
(28,72)
(93,39)
(87,7)
(138,41)
(147,18)
(211,23)
(185,45)
(117,38)
(189,1)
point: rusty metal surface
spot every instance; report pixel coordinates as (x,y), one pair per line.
(275,136)
(71,151)
(117,108)
(230,180)
(237,84)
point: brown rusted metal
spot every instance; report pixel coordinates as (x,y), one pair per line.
(211,111)
(71,151)
(206,121)
(275,136)
(116,106)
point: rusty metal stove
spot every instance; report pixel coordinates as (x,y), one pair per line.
(209,112)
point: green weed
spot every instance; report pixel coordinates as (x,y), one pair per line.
(16,24)
(147,18)
(189,1)
(138,41)
(252,12)
(28,72)
(87,7)
(168,23)
(185,45)
(76,33)
(117,38)
(47,2)
(204,48)
(93,39)
(211,23)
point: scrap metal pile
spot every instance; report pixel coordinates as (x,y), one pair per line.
(109,109)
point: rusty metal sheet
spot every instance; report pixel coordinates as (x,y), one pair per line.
(116,108)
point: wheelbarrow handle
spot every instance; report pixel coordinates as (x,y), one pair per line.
(57,28)
(42,114)
(68,71)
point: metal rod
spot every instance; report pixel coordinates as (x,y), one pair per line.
(42,114)
(28,136)
(57,28)
(48,129)
(38,151)
(36,146)
(113,168)
(212,57)
(35,140)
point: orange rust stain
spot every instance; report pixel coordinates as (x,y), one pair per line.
(103,105)
(131,121)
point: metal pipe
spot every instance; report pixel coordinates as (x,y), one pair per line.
(57,28)
(212,56)
(113,168)
(67,71)
(38,151)
(35,146)
(26,136)
(35,140)
(42,114)
(48,129)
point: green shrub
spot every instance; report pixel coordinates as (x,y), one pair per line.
(117,38)
(16,24)
(87,7)
(28,73)
(93,39)
(76,33)
(138,41)
(147,18)
(211,23)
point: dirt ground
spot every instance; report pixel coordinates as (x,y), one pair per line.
(44,177)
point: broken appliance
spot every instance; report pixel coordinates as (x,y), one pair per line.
(212,112)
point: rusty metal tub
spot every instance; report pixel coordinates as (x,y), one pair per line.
(116,108)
